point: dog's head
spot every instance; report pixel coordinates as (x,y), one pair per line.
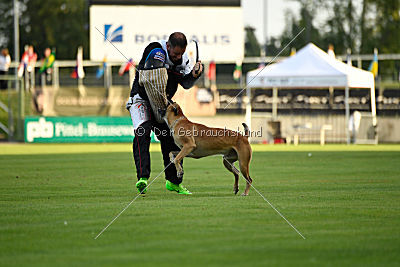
(172,113)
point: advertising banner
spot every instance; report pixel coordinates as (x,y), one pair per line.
(79,130)
(218,30)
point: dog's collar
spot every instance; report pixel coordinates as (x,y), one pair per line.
(174,123)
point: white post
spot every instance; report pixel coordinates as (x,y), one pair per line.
(132,72)
(43,79)
(274,103)
(346,101)
(322,133)
(105,78)
(206,80)
(373,111)
(373,106)
(56,81)
(265,28)
(248,108)
(109,76)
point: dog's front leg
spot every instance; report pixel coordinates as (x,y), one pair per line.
(187,148)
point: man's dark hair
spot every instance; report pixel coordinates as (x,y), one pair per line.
(177,39)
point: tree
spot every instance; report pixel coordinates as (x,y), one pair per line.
(6,22)
(375,24)
(252,47)
(296,25)
(387,23)
(58,24)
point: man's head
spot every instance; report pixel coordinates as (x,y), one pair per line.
(176,46)
(4,52)
(47,52)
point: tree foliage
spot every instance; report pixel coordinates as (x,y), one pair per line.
(360,25)
(58,24)
(252,47)
(357,24)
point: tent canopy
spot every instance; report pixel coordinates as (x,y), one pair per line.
(310,67)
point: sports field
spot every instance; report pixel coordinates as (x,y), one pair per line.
(55,199)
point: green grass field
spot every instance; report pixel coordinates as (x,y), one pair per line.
(54,199)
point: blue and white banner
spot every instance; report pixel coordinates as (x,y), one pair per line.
(218,30)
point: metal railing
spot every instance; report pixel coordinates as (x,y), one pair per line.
(15,123)
(224,79)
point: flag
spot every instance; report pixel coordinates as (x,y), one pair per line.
(24,63)
(126,66)
(331,52)
(373,67)
(101,69)
(237,73)
(212,70)
(79,73)
(48,62)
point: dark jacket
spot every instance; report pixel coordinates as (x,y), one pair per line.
(177,74)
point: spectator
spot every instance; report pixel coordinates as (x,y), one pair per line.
(5,61)
(47,66)
(30,68)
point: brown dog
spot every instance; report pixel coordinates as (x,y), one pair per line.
(197,141)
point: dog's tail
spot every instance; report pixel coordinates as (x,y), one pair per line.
(246,129)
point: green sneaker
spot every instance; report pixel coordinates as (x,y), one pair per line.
(177,188)
(141,185)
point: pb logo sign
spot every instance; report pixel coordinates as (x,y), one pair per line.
(112,34)
(39,129)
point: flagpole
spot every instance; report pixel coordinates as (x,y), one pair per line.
(346,100)
(265,28)
(16,42)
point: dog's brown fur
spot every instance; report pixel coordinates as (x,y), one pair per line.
(197,141)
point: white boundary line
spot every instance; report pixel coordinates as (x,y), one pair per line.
(266,200)
(116,217)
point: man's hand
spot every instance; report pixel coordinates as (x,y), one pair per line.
(197,69)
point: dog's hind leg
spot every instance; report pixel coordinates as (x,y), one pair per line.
(244,169)
(228,161)
(244,154)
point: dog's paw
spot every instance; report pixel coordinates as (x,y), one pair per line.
(171,157)
(180,174)
(235,190)
(244,194)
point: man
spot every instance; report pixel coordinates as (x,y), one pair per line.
(5,61)
(171,55)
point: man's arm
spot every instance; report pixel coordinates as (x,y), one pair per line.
(140,66)
(146,52)
(189,79)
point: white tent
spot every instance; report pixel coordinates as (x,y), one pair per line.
(311,67)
